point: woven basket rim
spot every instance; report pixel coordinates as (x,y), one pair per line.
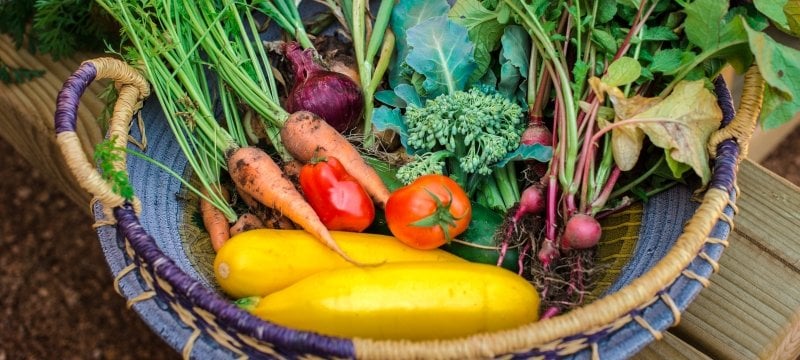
(581,320)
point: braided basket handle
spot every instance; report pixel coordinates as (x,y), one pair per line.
(743,125)
(133,88)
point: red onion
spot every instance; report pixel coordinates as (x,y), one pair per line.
(331,95)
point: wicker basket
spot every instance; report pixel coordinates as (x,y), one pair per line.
(647,299)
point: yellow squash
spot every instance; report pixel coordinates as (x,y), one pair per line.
(258,262)
(414,301)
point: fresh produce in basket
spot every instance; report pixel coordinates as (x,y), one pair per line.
(339,200)
(414,301)
(259,262)
(619,106)
(429,212)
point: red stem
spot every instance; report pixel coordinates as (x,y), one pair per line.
(521,258)
(602,198)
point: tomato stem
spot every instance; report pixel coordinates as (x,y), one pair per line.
(442,217)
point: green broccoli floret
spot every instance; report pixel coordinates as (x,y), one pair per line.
(465,134)
(423,164)
(480,129)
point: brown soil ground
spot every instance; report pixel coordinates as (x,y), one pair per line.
(57,300)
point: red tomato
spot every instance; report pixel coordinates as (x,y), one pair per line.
(429,212)
(337,198)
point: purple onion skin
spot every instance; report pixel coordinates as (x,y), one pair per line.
(331,95)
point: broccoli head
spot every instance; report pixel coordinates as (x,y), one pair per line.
(479,129)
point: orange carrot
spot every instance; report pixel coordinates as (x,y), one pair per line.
(214,221)
(253,171)
(305,136)
(251,203)
(247,221)
(292,168)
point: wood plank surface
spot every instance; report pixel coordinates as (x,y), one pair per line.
(751,310)
(671,347)
(26,116)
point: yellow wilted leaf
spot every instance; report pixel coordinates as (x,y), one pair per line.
(626,140)
(680,123)
(694,114)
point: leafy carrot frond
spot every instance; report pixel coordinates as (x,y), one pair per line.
(106,154)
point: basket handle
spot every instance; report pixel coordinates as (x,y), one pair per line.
(744,123)
(133,88)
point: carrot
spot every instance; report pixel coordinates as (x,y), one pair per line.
(253,171)
(251,203)
(214,220)
(247,221)
(292,168)
(306,136)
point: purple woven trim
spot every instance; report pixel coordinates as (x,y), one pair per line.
(285,340)
(724,173)
(70,97)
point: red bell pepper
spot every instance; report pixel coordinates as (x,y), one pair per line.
(338,199)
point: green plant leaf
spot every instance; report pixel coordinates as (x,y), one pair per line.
(442,52)
(792,12)
(384,118)
(388,97)
(606,9)
(408,94)
(703,22)
(677,168)
(514,62)
(780,67)
(667,61)
(622,71)
(659,33)
(405,15)
(580,71)
(629,3)
(484,30)
(536,152)
(605,41)
(773,9)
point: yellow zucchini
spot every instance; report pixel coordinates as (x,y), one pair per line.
(414,301)
(258,262)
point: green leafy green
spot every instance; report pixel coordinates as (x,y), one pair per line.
(704,22)
(107,156)
(605,41)
(792,12)
(606,9)
(442,52)
(536,152)
(659,33)
(514,63)
(408,94)
(389,97)
(773,9)
(623,71)
(484,30)
(780,67)
(17,75)
(667,61)
(384,118)
(405,15)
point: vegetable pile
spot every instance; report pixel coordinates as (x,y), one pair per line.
(500,131)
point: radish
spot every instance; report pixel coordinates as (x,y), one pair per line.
(537,133)
(582,232)
(531,202)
